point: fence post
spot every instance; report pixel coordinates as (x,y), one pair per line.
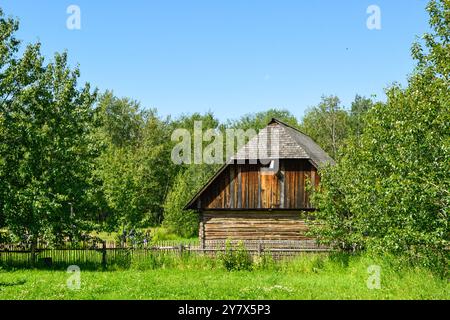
(104,255)
(260,249)
(181,248)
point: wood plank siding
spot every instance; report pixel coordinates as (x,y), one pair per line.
(253,226)
(252,186)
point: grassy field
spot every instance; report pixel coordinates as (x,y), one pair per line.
(307,277)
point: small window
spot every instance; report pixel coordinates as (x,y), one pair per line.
(271,167)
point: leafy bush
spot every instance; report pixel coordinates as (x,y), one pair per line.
(185,222)
(389,192)
(235,259)
(265,261)
(6,237)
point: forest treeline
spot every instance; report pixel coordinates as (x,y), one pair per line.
(74,160)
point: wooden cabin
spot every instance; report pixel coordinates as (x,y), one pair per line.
(261,192)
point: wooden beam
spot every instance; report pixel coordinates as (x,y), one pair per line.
(232,170)
(302,190)
(281,180)
(239,195)
(259,189)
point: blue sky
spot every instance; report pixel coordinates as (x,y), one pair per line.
(232,57)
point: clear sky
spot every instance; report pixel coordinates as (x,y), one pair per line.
(229,56)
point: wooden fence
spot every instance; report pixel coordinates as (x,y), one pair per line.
(105,253)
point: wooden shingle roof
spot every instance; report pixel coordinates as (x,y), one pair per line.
(279,140)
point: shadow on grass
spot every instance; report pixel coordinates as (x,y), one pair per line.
(12,284)
(53,267)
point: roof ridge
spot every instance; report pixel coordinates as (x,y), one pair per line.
(310,149)
(287,125)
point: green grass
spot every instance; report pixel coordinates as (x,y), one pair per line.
(197,277)
(158,234)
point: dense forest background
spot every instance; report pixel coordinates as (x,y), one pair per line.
(74,160)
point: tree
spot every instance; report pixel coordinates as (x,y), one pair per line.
(185,222)
(134,169)
(121,120)
(259,120)
(390,190)
(359,108)
(188,179)
(327,124)
(46,143)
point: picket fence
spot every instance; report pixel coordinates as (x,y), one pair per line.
(103,253)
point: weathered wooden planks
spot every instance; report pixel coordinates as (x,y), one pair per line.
(254,226)
(246,186)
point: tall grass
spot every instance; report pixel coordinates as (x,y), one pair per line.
(164,275)
(230,260)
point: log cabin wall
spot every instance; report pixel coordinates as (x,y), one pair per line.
(252,226)
(250,186)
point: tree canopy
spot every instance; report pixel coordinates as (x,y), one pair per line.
(390,190)
(47,147)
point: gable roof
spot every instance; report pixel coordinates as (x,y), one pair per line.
(278,140)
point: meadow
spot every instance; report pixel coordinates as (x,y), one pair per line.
(309,276)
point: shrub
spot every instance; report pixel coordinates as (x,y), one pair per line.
(236,259)
(185,222)
(265,261)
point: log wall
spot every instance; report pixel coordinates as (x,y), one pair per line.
(252,226)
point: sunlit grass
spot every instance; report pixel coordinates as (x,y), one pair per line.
(196,277)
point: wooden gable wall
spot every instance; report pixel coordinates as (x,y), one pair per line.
(247,186)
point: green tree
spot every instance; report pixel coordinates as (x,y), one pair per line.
(390,190)
(185,222)
(327,124)
(121,120)
(46,143)
(134,168)
(359,108)
(259,120)
(189,179)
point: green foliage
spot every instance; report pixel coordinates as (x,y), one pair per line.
(134,170)
(46,144)
(67,167)
(189,179)
(236,258)
(433,52)
(328,124)
(359,108)
(169,260)
(390,190)
(162,234)
(265,261)
(185,222)
(259,120)
(154,260)
(6,237)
